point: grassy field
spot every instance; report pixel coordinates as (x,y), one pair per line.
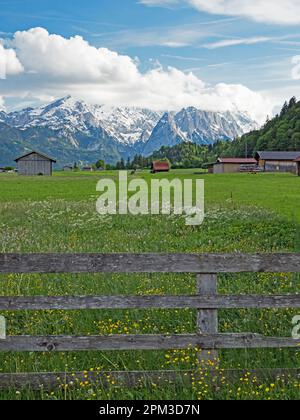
(249,213)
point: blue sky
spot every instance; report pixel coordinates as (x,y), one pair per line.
(228,45)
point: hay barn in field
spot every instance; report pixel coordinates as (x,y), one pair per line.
(35,163)
(67,168)
(87,169)
(160,167)
(231,165)
(278,161)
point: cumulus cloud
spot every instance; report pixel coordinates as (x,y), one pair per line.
(279,12)
(56,66)
(73,59)
(9,63)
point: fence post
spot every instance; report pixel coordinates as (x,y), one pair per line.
(207,320)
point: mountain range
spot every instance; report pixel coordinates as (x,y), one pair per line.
(73,131)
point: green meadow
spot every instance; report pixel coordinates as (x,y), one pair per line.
(244,213)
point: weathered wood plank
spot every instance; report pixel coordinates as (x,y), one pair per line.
(207,319)
(149,263)
(14,303)
(143,342)
(38,381)
(52,381)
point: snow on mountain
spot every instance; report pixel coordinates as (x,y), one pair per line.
(166,133)
(72,129)
(201,127)
(125,125)
(128,125)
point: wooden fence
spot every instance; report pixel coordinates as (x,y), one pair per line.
(207,301)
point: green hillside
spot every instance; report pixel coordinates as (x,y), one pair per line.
(282,133)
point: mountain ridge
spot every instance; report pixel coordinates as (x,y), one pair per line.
(73,130)
(197,126)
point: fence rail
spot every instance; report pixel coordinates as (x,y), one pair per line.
(149,263)
(144,342)
(206,301)
(50,381)
(149,302)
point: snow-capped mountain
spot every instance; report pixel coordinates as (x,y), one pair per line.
(126,125)
(201,127)
(72,130)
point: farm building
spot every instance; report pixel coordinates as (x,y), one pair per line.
(67,168)
(35,163)
(229,165)
(160,166)
(7,169)
(87,169)
(278,161)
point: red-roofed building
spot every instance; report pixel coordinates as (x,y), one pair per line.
(160,166)
(229,165)
(239,161)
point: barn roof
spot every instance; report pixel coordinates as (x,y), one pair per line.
(278,155)
(237,160)
(161,166)
(38,153)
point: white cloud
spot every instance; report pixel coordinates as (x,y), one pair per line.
(56,66)
(9,63)
(174,44)
(165,3)
(296,67)
(233,42)
(279,11)
(73,59)
(173,36)
(2,106)
(285,12)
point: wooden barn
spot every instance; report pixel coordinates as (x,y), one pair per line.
(67,168)
(231,165)
(278,161)
(160,166)
(35,163)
